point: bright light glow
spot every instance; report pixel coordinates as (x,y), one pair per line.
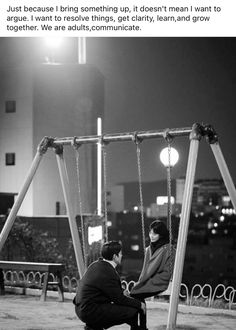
(135,247)
(213,231)
(53,42)
(164,157)
(94,234)
(215,224)
(161,200)
(226,199)
(228,211)
(135,208)
(222,218)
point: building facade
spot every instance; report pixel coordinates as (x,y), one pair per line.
(208,196)
(56,100)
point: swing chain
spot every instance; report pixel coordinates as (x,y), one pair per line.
(137,141)
(170,208)
(76,147)
(75,144)
(169,138)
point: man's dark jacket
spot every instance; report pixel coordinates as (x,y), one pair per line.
(100,286)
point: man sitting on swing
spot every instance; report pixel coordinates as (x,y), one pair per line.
(100,301)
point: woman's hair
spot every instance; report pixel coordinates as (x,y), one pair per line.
(110,248)
(159,227)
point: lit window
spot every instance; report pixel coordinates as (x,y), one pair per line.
(94,234)
(10,159)
(135,247)
(161,200)
(10,106)
(226,199)
(222,218)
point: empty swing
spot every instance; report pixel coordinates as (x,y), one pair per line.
(102,220)
(137,141)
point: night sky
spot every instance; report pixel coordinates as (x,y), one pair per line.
(157,83)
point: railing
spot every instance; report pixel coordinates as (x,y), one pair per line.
(204,293)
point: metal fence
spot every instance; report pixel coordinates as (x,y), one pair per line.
(197,295)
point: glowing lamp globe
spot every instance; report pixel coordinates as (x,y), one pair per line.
(53,42)
(164,157)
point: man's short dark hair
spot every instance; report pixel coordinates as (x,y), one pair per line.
(110,248)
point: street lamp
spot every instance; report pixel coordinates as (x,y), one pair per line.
(52,45)
(169,157)
(53,42)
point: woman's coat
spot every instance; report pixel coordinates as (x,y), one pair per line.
(156,273)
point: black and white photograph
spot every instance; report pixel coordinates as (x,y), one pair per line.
(117,183)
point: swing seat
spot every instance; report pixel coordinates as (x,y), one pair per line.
(167,292)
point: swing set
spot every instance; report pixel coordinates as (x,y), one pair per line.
(195,134)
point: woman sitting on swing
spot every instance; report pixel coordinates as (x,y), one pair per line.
(156,271)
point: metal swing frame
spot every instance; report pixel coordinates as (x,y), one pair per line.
(195,133)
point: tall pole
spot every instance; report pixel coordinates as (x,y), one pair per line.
(99,168)
(42,148)
(72,221)
(82,50)
(183,230)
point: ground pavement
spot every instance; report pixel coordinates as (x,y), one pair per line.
(19,312)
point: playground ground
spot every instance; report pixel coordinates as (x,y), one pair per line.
(18,312)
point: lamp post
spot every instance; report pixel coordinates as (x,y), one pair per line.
(169,158)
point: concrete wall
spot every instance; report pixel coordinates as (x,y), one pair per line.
(51,100)
(16,131)
(67,101)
